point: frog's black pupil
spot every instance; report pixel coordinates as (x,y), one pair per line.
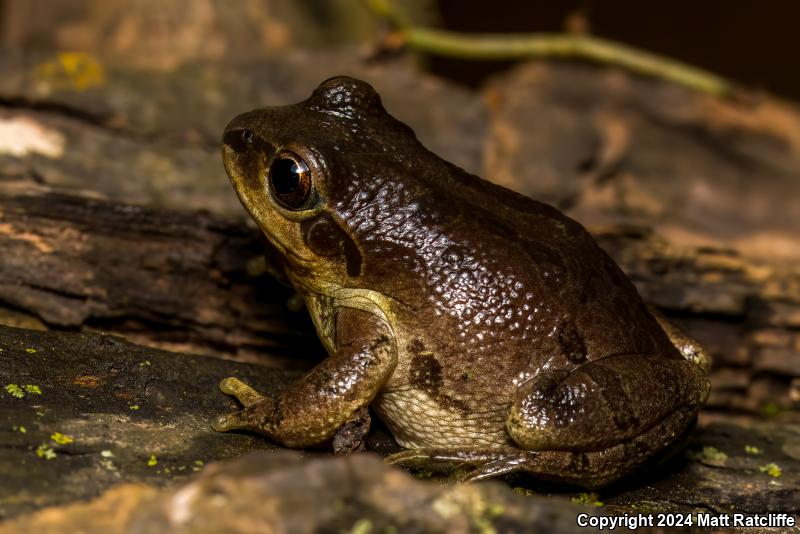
(285,176)
(247,136)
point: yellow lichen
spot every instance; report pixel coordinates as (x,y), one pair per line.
(30,351)
(72,70)
(31,388)
(152,461)
(362,526)
(61,439)
(46,452)
(15,391)
(709,455)
(771,469)
(134,407)
(750,449)
(588,499)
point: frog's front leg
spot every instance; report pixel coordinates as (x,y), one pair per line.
(310,410)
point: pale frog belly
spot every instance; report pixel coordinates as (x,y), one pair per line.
(418,421)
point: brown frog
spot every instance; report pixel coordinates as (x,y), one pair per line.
(484,328)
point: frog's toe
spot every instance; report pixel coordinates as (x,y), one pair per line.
(442,459)
(251,418)
(499,466)
(244,393)
(223,423)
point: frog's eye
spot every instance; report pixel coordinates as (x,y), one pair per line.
(289,180)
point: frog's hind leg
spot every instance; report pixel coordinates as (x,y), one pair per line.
(589,426)
(627,407)
(592,469)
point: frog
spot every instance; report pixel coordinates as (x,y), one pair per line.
(487,330)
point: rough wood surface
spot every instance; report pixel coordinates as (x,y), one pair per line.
(166,278)
(82,413)
(66,398)
(178,280)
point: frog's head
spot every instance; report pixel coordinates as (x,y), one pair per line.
(311,176)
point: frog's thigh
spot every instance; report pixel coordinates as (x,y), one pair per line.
(603,403)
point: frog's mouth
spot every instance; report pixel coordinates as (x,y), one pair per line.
(277,255)
(282,260)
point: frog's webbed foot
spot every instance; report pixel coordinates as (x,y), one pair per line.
(469,464)
(256,407)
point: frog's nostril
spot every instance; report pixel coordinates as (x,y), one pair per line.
(239,140)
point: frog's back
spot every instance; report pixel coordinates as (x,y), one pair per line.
(514,287)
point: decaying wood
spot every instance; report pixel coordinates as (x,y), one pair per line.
(745,313)
(179,280)
(82,413)
(166,278)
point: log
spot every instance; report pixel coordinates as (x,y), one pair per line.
(88,415)
(166,278)
(179,280)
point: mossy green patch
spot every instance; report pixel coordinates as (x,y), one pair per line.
(362,526)
(750,449)
(709,455)
(496,510)
(770,409)
(587,499)
(30,351)
(15,391)
(771,469)
(152,461)
(133,407)
(21,429)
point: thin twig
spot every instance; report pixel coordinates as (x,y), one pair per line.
(542,45)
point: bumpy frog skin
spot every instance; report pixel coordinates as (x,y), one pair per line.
(484,328)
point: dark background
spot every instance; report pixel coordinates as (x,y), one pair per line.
(757,43)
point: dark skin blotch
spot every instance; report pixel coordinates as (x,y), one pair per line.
(326,238)
(426,374)
(572,344)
